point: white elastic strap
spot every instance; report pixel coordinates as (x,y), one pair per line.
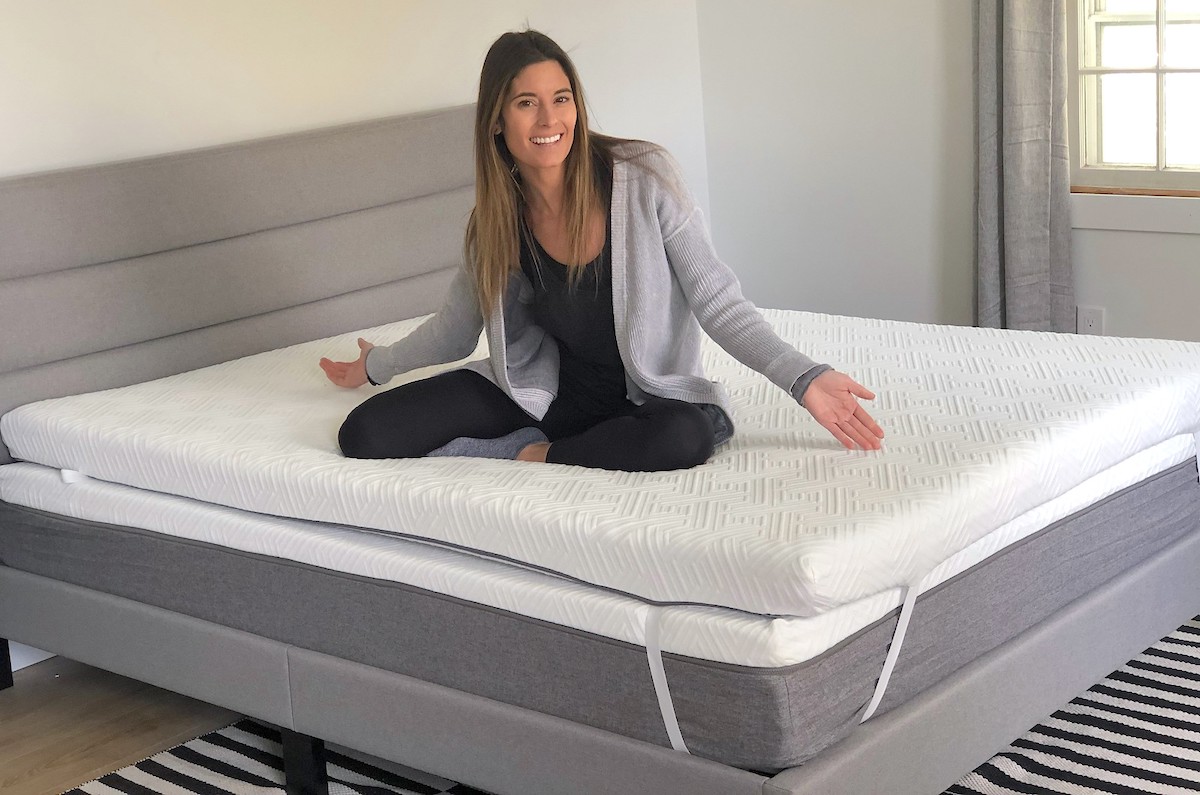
(71,476)
(1196,445)
(659,675)
(910,599)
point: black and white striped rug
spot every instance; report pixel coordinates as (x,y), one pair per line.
(247,759)
(1136,732)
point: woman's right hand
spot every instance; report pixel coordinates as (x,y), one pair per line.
(349,374)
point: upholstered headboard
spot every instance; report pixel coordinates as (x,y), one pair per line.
(125,272)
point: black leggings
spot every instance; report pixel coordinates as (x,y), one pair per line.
(412,419)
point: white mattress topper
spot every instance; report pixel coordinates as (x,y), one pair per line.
(703,632)
(983,426)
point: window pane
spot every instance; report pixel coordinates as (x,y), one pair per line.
(1182,98)
(1128,118)
(1126,46)
(1107,40)
(1128,6)
(1176,8)
(1182,44)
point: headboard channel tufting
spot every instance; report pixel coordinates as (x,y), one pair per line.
(124,272)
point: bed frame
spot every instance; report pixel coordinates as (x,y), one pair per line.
(124,272)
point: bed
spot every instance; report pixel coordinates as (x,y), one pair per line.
(726,630)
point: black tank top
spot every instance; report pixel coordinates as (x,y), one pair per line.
(580,318)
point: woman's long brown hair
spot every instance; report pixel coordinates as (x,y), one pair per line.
(492,244)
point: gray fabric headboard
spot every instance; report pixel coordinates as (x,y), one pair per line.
(125,272)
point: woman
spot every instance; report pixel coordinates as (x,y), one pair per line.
(589,266)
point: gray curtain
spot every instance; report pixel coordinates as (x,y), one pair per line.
(1023,252)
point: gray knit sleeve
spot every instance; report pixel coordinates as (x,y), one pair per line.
(802,383)
(716,299)
(450,335)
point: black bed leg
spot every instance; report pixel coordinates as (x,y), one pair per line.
(304,764)
(6,671)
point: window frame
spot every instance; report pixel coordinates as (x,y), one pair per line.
(1087,177)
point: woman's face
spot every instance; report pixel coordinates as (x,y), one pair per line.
(538,117)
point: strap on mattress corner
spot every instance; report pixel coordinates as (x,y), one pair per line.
(889,663)
(72,476)
(1196,447)
(659,675)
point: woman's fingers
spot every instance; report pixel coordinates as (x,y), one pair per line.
(337,372)
(842,436)
(862,435)
(861,391)
(870,426)
(848,435)
(348,374)
(847,420)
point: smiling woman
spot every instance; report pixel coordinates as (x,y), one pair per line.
(529,86)
(538,118)
(589,266)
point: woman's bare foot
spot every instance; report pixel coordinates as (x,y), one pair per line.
(535,452)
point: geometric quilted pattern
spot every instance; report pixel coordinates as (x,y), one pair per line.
(982,425)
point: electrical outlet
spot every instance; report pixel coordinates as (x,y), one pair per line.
(1089,320)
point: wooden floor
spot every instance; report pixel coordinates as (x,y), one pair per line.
(63,724)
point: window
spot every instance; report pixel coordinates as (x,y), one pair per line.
(1135,96)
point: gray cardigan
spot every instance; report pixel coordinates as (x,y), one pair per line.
(668,284)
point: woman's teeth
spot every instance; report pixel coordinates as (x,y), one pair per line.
(551,140)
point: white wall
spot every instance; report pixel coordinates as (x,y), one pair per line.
(1138,257)
(836,138)
(25,656)
(841,153)
(85,82)
(839,135)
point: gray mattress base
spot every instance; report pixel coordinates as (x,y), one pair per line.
(757,719)
(920,747)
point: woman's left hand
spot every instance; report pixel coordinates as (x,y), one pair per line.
(832,399)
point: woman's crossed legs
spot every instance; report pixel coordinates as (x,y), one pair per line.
(416,418)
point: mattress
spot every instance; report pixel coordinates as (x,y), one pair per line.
(985,428)
(760,718)
(698,631)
